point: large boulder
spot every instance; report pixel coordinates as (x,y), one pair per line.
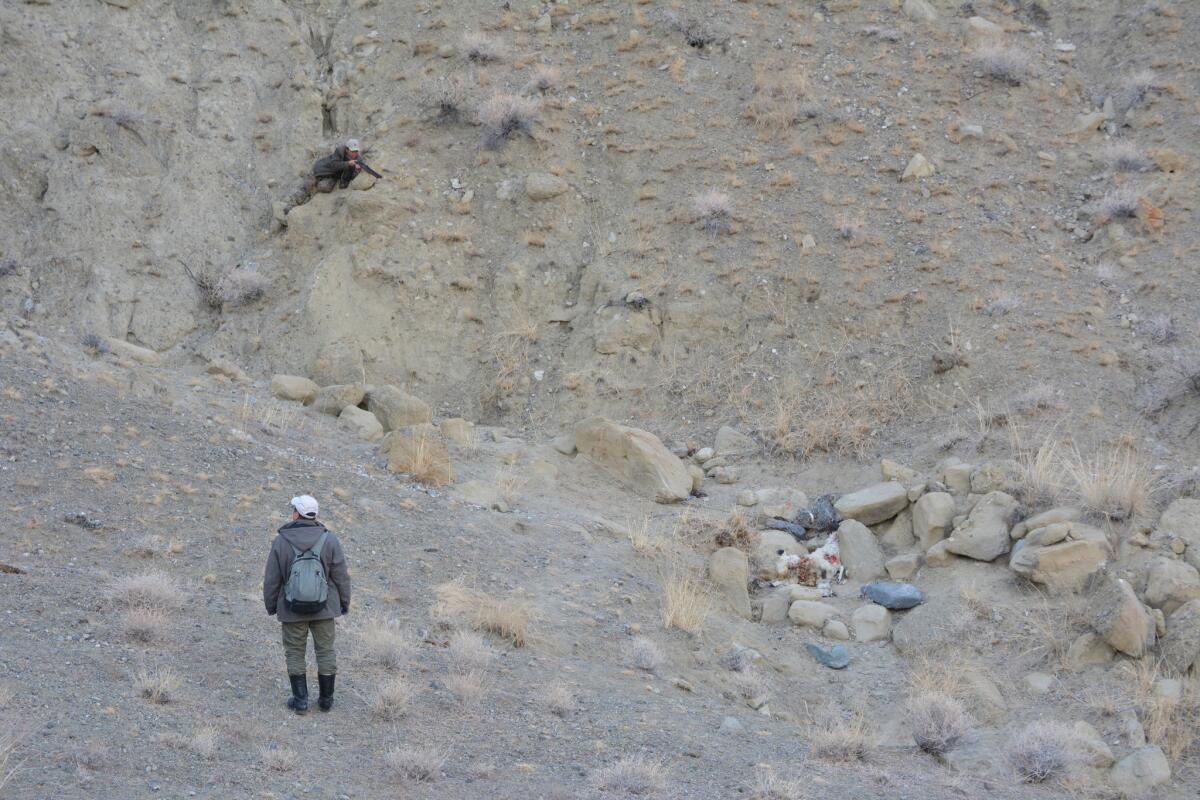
(1170,584)
(544,186)
(636,456)
(931,518)
(984,535)
(811,613)
(1181,644)
(1061,556)
(871,623)
(332,399)
(294,387)
(729,571)
(337,363)
(873,504)
(396,408)
(1182,518)
(860,552)
(1142,770)
(731,442)
(1122,620)
(362,424)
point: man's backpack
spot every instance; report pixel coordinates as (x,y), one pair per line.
(307,589)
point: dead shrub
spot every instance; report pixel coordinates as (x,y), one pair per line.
(778,100)
(384,642)
(204,742)
(241,286)
(416,763)
(843,739)
(713,211)
(481,48)
(391,697)
(736,532)
(769,786)
(1126,157)
(1116,485)
(632,775)
(469,651)
(543,78)
(1119,203)
(645,655)
(423,456)
(153,589)
(508,619)
(938,722)
(157,684)
(144,624)
(277,759)
(560,700)
(1000,63)
(503,115)
(467,687)
(1043,750)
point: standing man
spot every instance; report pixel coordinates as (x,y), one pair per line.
(307,584)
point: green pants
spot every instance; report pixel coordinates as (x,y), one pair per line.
(295,643)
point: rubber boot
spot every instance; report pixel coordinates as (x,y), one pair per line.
(298,702)
(325,701)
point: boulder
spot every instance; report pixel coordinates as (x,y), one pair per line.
(1137,773)
(1122,620)
(421,454)
(919,10)
(811,613)
(1181,644)
(457,430)
(636,456)
(980,30)
(1043,519)
(697,476)
(134,352)
(362,424)
(564,444)
(1087,650)
(544,186)
(873,504)
(396,408)
(836,657)
(332,399)
(901,568)
(957,477)
(1091,746)
(729,571)
(1182,518)
(918,167)
(898,533)
(1170,584)
(780,503)
(931,518)
(1066,563)
(860,552)
(836,629)
(337,364)
(871,623)
(731,443)
(984,536)
(294,387)
(896,596)
(998,476)
(939,556)
(776,605)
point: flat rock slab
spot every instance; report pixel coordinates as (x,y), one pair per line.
(836,657)
(873,504)
(893,595)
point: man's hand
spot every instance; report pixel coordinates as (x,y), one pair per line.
(357,166)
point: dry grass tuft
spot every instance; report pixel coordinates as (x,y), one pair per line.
(645,655)
(1043,750)
(1126,157)
(848,739)
(467,687)
(1116,485)
(391,697)
(416,763)
(778,100)
(154,589)
(1000,63)
(158,684)
(509,619)
(384,642)
(504,114)
(469,650)
(145,624)
(560,700)
(481,48)
(204,742)
(736,532)
(424,457)
(769,786)
(1119,203)
(8,749)
(632,775)
(938,722)
(686,602)
(713,210)
(643,540)
(278,759)
(543,78)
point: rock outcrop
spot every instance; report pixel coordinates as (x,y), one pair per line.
(636,456)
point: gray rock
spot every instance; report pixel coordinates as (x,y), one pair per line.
(1140,771)
(338,363)
(873,504)
(1182,518)
(362,424)
(332,399)
(729,570)
(919,10)
(1039,683)
(836,657)
(544,186)
(892,595)
(860,552)
(1043,519)
(730,727)
(931,518)
(1092,747)
(731,443)
(901,568)
(836,629)
(811,613)
(1088,649)
(1170,584)
(871,623)
(395,408)
(1181,644)
(1126,624)
(897,535)
(984,536)
(293,387)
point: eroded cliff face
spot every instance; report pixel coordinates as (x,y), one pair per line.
(148,148)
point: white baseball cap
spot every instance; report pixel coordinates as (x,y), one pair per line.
(305,505)
(352,144)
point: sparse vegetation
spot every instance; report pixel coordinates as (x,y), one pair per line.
(843,738)
(714,211)
(645,655)
(1126,157)
(147,590)
(391,697)
(560,700)
(470,651)
(769,786)
(468,687)
(144,624)
(543,78)
(508,619)
(95,344)
(157,684)
(278,759)
(503,115)
(1043,750)
(384,642)
(481,48)
(938,722)
(1121,203)
(204,742)
(1116,484)
(632,775)
(686,602)
(1001,63)
(416,762)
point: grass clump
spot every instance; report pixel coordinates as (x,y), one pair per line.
(938,722)
(152,589)
(145,624)
(714,211)
(645,655)
(686,602)
(632,775)
(848,739)
(383,642)
(1005,64)
(416,763)
(508,619)
(391,697)
(277,759)
(481,48)
(1043,750)
(158,684)
(503,115)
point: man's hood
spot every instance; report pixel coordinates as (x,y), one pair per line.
(302,533)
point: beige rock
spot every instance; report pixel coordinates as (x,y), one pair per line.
(362,424)
(725,475)
(220,366)
(957,478)
(1180,649)
(1092,747)
(894,471)
(997,476)
(1087,124)
(872,623)
(1048,535)
(745,498)
(1182,518)
(873,504)
(294,387)
(1122,620)
(780,503)
(1170,584)
(939,555)
(545,470)
(1087,650)
(332,399)
(1142,770)
(1043,519)
(337,364)
(775,606)
(544,186)
(1038,683)
(731,443)
(918,167)
(860,552)
(124,349)
(898,533)
(984,691)
(836,629)
(636,456)
(697,476)
(565,443)
(455,429)
(766,552)
(903,567)
(919,10)
(396,408)
(984,536)
(811,613)
(931,518)
(729,571)
(980,30)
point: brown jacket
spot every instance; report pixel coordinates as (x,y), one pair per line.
(303,533)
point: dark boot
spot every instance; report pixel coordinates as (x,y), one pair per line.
(298,702)
(325,701)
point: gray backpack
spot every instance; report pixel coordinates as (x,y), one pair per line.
(307,589)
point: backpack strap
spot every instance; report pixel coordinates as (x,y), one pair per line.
(319,547)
